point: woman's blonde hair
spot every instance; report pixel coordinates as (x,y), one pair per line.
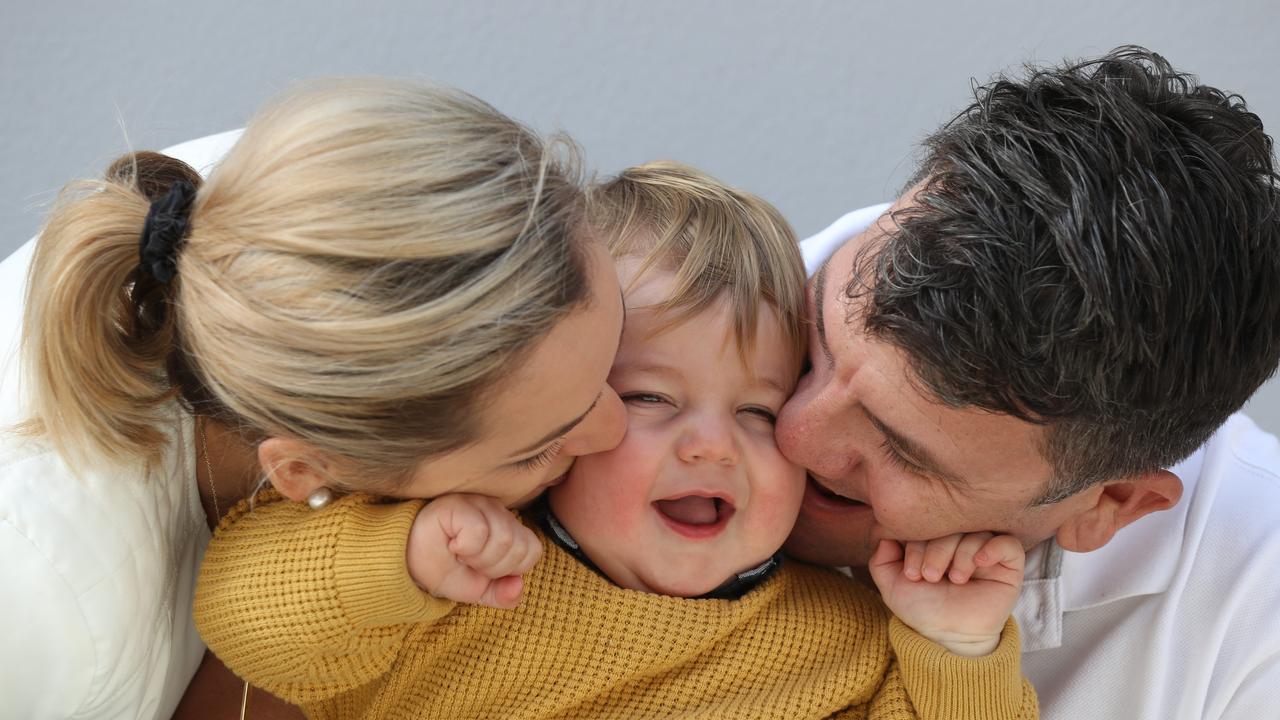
(718,241)
(361,267)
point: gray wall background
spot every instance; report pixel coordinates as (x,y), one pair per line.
(813,105)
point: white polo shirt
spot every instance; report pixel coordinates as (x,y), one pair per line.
(1179,615)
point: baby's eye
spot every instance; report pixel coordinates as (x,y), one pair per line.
(761,412)
(644,398)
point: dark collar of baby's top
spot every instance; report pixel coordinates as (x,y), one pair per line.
(731,589)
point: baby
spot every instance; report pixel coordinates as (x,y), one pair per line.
(660,591)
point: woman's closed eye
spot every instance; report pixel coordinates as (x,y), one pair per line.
(543,458)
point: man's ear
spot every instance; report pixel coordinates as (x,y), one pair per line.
(292,467)
(1117,504)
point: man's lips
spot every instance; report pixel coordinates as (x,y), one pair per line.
(818,495)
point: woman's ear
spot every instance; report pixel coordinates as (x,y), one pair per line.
(292,467)
(1117,504)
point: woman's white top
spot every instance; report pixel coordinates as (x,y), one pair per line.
(99,565)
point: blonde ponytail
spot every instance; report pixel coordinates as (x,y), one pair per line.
(96,336)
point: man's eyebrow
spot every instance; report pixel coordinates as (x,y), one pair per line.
(914,451)
(563,429)
(819,295)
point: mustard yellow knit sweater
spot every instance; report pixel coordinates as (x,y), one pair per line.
(318,608)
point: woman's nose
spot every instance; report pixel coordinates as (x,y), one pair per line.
(602,429)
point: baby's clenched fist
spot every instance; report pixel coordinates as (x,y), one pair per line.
(471,549)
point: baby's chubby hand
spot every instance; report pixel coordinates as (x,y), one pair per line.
(956,590)
(471,549)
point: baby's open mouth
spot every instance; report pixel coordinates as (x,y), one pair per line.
(695,515)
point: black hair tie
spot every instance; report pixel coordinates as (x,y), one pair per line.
(164,231)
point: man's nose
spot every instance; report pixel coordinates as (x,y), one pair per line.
(602,429)
(815,431)
(803,413)
(708,438)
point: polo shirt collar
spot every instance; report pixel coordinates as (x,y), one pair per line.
(1142,559)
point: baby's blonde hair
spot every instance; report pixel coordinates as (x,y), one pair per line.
(368,260)
(717,240)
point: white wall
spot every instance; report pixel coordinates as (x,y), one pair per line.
(814,105)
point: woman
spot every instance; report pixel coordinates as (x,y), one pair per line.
(381,287)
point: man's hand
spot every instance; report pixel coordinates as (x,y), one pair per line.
(471,549)
(956,590)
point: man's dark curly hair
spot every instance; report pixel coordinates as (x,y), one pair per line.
(1094,248)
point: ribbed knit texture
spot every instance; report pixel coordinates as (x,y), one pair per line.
(318,608)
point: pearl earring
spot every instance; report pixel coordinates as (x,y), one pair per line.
(319,498)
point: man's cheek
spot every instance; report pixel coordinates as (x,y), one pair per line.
(914,521)
(900,515)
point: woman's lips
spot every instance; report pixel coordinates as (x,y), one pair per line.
(537,492)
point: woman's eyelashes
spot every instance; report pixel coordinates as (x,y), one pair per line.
(543,458)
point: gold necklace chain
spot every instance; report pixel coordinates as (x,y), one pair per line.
(208,466)
(217,515)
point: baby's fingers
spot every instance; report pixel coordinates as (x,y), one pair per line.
(504,592)
(913,559)
(886,564)
(1001,559)
(507,548)
(937,556)
(1003,550)
(532,554)
(466,527)
(520,555)
(888,554)
(962,563)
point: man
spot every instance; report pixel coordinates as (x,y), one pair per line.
(1047,335)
